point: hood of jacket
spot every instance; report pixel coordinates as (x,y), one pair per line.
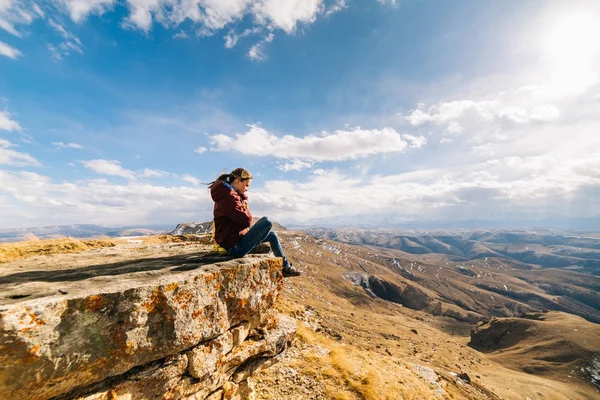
(222,189)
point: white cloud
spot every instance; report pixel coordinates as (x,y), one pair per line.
(141,13)
(447,112)
(519,107)
(286,14)
(63,32)
(257,52)
(415,142)
(17,12)
(71,42)
(525,187)
(154,173)
(515,114)
(528,187)
(9,51)
(295,165)
(200,150)
(31,199)
(337,146)
(55,52)
(231,38)
(419,117)
(339,5)
(206,17)
(180,35)
(545,113)
(7,124)
(191,179)
(530,120)
(38,10)
(15,158)
(67,145)
(79,10)
(108,167)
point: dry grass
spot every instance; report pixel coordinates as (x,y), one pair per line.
(36,247)
(159,239)
(349,373)
(33,246)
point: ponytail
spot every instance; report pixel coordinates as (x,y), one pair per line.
(224,177)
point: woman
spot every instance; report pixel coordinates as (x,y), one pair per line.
(232,219)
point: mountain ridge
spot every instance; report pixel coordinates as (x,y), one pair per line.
(79,231)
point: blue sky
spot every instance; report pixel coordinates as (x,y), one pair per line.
(114,112)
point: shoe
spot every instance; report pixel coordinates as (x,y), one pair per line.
(289,270)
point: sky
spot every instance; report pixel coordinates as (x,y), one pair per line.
(116,112)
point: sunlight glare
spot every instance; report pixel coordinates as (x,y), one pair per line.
(572,47)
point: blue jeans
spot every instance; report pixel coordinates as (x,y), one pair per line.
(259,232)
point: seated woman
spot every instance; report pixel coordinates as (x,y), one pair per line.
(232,219)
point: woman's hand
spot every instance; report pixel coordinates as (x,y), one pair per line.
(244,231)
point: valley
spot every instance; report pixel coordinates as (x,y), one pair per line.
(403,315)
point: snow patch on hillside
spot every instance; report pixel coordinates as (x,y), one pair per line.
(593,370)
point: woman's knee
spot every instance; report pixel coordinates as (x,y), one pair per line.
(266,221)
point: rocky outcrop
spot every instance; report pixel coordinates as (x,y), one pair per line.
(202,228)
(192,228)
(407,295)
(216,369)
(189,331)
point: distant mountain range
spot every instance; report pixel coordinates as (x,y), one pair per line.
(91,230)
(393,222)
(80,231)
(548,248)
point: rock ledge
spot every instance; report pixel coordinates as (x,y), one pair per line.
(191,330)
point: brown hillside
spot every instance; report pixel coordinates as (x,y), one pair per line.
(554,344)
(359,346)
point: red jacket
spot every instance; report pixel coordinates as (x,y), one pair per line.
(231,214)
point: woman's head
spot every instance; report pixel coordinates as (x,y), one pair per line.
(240,179)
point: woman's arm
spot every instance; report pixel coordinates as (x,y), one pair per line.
(235,210)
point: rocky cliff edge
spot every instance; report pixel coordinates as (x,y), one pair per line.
(182,326)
